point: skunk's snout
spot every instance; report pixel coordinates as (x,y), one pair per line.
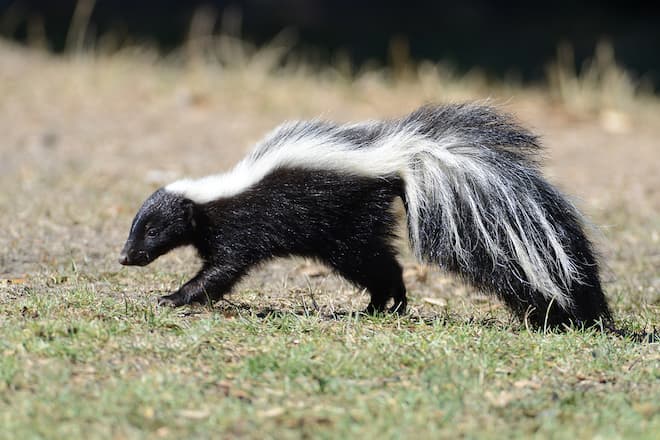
(131,256)
(128,256)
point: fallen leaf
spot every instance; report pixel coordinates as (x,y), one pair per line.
(435,301)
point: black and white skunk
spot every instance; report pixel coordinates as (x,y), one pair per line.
(476,204)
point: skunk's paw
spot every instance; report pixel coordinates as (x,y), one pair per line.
(174,300)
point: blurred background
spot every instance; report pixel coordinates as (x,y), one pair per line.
(506,39)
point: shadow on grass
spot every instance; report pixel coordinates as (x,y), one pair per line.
(442,319)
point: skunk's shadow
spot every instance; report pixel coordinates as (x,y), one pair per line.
(442,319)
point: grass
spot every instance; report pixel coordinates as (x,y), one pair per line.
(75,364)
(85,352)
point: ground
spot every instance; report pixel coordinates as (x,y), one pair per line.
(85,352)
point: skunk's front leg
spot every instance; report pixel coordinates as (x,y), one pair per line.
(209,285)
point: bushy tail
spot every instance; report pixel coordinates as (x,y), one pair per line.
(477,205)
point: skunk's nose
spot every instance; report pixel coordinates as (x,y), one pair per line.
(123,258)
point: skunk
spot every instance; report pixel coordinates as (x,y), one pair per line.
(476,205)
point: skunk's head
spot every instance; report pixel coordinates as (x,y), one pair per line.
(164,221)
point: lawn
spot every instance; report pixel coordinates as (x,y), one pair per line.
(87,354)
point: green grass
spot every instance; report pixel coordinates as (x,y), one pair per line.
(75,364)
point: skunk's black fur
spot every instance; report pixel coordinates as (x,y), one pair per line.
(477,206)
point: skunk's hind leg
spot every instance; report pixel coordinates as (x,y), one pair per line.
(386,284)
(381,274)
